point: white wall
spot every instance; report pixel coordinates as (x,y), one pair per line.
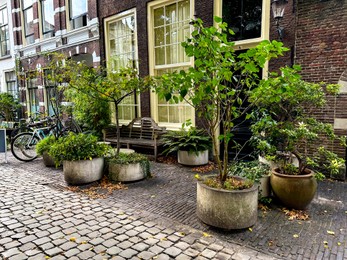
(7,63)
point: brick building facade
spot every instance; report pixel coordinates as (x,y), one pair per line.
(39,27)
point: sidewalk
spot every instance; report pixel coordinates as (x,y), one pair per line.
(153,218)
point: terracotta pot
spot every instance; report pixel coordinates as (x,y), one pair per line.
(227,209)
(83,171)
(294,191)
(192,159)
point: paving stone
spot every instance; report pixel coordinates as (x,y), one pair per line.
(72,252)
(125,245)
(110,242)
(97,241)
(172,251)
(182,245)
(191,252)
(208,253)
(68,245)
(54,251)
(223,256)
(113,250)
(183,257)
(86,255)
(20,256)
(140,247)
(156,249)
(128,253)
(241,256)
(12,244)
(10,252)
(146,255)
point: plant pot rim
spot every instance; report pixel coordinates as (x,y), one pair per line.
(309,173)
(255,185)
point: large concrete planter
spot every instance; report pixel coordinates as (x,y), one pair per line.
(294,191)
(126,172)
(83,171)
(226,209)
(48,160)
(192,159)
(264,186)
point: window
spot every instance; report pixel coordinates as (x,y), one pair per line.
(249,19)
(169,27)
(4,33)
(47,12)
(28,15)
(11,83)
(33,95)
(78,13)
(121,49)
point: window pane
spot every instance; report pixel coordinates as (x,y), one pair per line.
(27,3)
(243,17)
(77,8)
(159,17)
(29,21)
(47,15)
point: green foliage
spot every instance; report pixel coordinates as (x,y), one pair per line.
(104,85)
(192,140)
(231,183)
(45,144)
(74,147)
(130,158)
(252,170)
(8,105)
(219,83)
(285,126)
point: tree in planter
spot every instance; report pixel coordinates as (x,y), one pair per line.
(287,127)
(218,84)
(113,86)
(90,110)
(8,105)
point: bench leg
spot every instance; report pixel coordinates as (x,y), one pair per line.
(155,153)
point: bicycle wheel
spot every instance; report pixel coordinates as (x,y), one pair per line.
(23,146)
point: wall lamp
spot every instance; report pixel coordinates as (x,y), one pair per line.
(278,7)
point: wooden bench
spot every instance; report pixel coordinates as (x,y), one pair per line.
(141,132)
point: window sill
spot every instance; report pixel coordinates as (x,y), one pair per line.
(5,57)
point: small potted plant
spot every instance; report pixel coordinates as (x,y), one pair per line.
(82,157)
(256,171)
(287,130)
(43,149)
(126,167)
(191,145)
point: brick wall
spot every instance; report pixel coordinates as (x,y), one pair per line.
(321,49)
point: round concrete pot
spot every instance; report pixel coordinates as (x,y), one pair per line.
(264,186)
(83,171)
(192,159)
(126,172)
(48,160)
(234,209)
(294,191)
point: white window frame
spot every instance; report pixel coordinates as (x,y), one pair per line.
(152,67)
(45,34)
(70,19)
(107,22)
(6,39)
(29,36)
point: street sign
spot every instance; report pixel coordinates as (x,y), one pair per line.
(3,145)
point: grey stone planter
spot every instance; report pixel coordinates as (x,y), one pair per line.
(126,172)
(48,160)
(226,209)
(83,171)
(192,159)
(264,186)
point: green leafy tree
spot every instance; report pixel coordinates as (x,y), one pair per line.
(107,84)
(9,106)
(219,83)
(286,125)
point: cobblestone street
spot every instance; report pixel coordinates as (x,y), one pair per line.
(152,219)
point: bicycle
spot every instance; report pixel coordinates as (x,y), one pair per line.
(23,145)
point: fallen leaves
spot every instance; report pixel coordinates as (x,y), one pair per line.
(295,214)
(295,235)
(167,159)
(331,232)
(205,168)
(206,234)
(100,191)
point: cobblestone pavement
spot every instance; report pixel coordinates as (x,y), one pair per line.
(153,218)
